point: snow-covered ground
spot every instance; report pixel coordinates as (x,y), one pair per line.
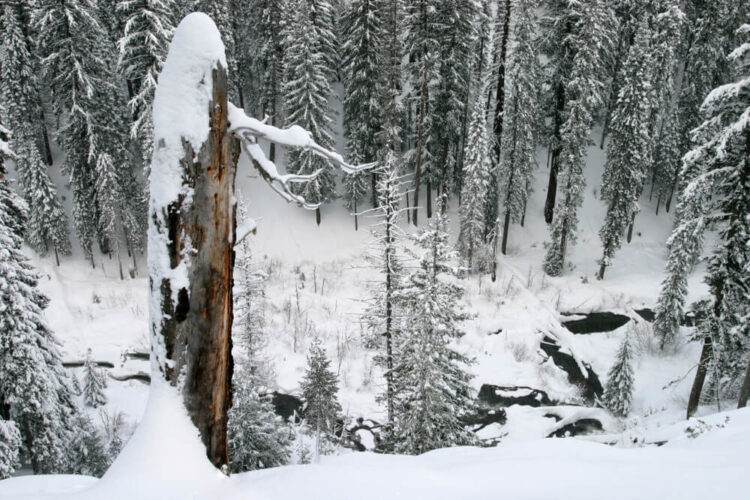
(318,282)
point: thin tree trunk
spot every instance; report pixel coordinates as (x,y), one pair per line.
(549,203)
(523,214)
(429,199)
(700,377)
(506,224)
(630,229)
(317,216)
(408,209)
(47,150)
(420,141)
(356,221)
(745,389)
(57,257)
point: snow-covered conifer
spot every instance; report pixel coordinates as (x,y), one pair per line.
(33,384)
(520,117)
(477,165)
(10,448)
(362,62)
(143,48)
(629,149)
(14,206)
(618,392)
(257,437)
(306,92)
(94,383)
(87,454)
(583,89)
(47,226)
(78,65)
(431,378)
(320,389)
(381,316)
(268,36)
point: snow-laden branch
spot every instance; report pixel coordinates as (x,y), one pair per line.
(249,130)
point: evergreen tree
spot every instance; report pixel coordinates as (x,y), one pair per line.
(257,437)
(381,317)
(322,17)
(362,62)
(431,379)
(47,228)
(629,149)
(722,159)
(14,206)
(667,157)
(520,114)
(422,45)
(269,62)
(477,165)
(320,393)
(582,97)
(455,20)
(306,92)
(33,384)
(391,107)
(94,383)
(87,453)
(618,392)
(10,448)
(143,48)
(78,65)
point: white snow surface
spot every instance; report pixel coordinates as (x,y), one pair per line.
(704,458)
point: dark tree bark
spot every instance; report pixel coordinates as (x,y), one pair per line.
(745,389)
(549,203)
(197,327)
(700,377)
(420,141)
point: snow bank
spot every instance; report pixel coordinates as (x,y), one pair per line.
(708,463)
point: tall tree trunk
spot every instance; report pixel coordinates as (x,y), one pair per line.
(745,389)
(549,203)
(196,322)
(317,216)
(420,140)
(700,377)
(429,199)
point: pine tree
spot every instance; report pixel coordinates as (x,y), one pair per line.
(381,317)
(269,62)
(87,453)
(629,149)
(34,391)
(322,18)
(618,392)
(431,378)
(520,114)
(94,383)
(143,48)
(477,165)
(582,96)
(722,159)
(667,157)
(422,45)
(257,437)
(15,208)
(362,63)
(47,228)
(320,393)
(455,20)
(10,448)
(391,107)
(306,92)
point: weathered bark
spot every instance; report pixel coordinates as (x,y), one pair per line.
(700,377)
(197,328)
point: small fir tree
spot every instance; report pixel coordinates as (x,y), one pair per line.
(431,378)
(320,392)
(94,383)
(88,454)
(618,392)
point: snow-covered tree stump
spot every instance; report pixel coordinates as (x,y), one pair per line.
(192,222)
(192,230)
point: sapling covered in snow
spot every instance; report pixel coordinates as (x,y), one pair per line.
(618,392)
(94,383)
(477,165)
(88,453)
(320,388)
(431,377)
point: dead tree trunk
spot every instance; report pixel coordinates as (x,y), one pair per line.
(199,232)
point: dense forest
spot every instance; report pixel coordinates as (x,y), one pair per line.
(452,100)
